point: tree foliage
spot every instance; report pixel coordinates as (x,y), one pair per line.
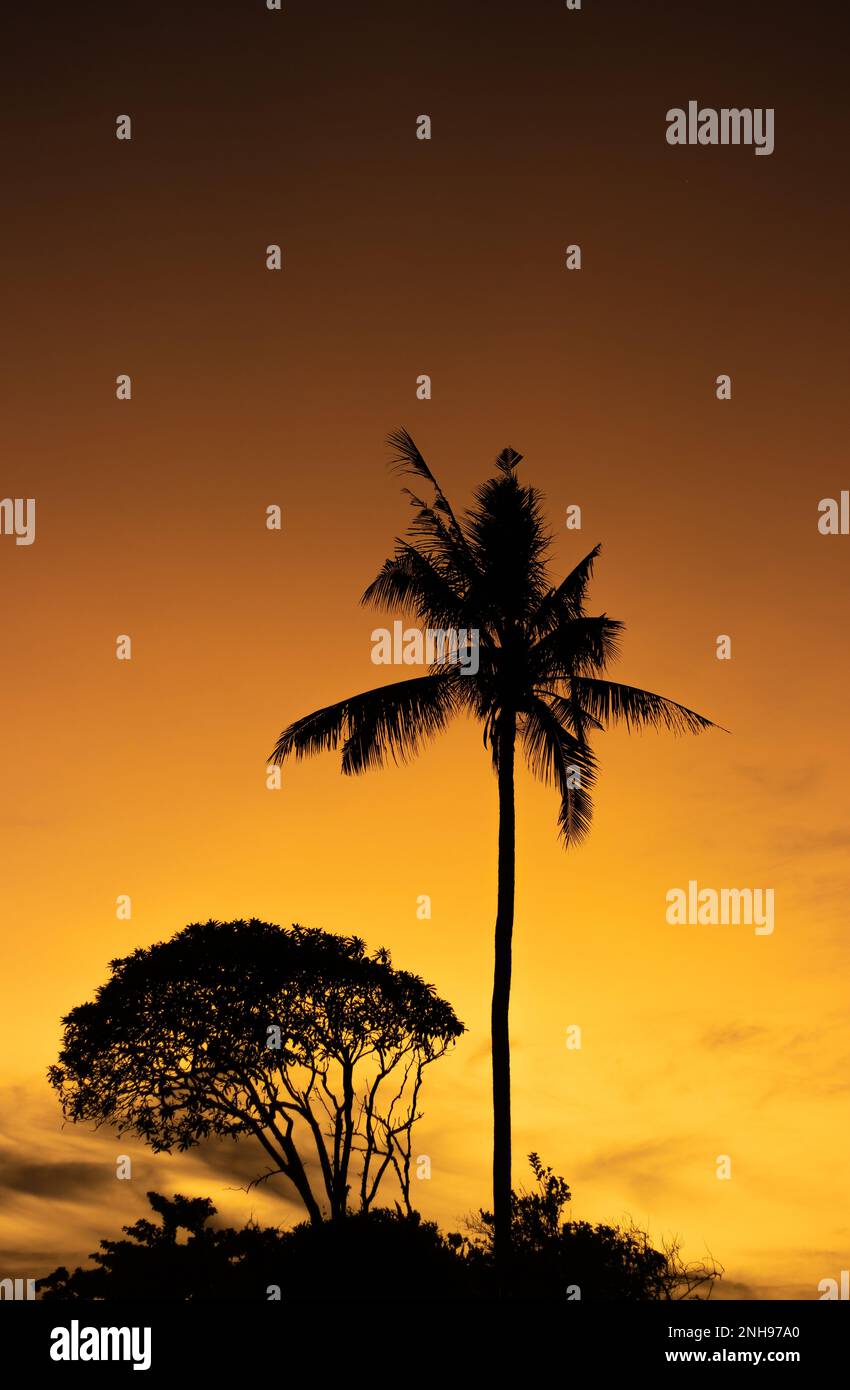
(296,1037)
(543,659)
(551,1254)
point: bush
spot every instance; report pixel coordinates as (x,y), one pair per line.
(382,1255)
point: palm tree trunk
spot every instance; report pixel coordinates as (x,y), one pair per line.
(501,1001)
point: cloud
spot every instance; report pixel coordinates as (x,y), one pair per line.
(239,1166)
(643,1168)
(57,1180)
(60,1195)
(726,1290)
(785,782)
(793,842)
(482,1051)
(732,1035)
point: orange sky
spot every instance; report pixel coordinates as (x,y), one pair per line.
(404,257)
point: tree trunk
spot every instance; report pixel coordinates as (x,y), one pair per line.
(501,1001)
(297,1175)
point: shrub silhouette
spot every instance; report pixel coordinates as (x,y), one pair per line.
(380,1255)
(154,1263)
(552,1255)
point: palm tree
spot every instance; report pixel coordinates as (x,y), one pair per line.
(540,678)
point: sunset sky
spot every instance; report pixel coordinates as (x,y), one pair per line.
(252,388)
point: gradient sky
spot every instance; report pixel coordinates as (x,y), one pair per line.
(250,388)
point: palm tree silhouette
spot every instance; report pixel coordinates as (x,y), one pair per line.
(539,678)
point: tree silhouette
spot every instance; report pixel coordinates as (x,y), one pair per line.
(540,678)
(297,1037)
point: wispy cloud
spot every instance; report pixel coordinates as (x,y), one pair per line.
(59,1193)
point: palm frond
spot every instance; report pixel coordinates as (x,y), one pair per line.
(396,720)
(567,600)
(577,646)
(412,582)
(444,545)
(408,459)
(571,714)
(613,703)
(556,756)
(508,460)
(392,720)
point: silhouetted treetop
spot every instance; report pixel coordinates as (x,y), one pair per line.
(294,1036)
(543,659)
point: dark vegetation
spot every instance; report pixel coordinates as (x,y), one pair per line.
(381,1255)
(316,1049)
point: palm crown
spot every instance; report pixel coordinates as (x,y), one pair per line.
(541,656)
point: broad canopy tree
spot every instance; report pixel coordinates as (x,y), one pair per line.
(297,1037)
